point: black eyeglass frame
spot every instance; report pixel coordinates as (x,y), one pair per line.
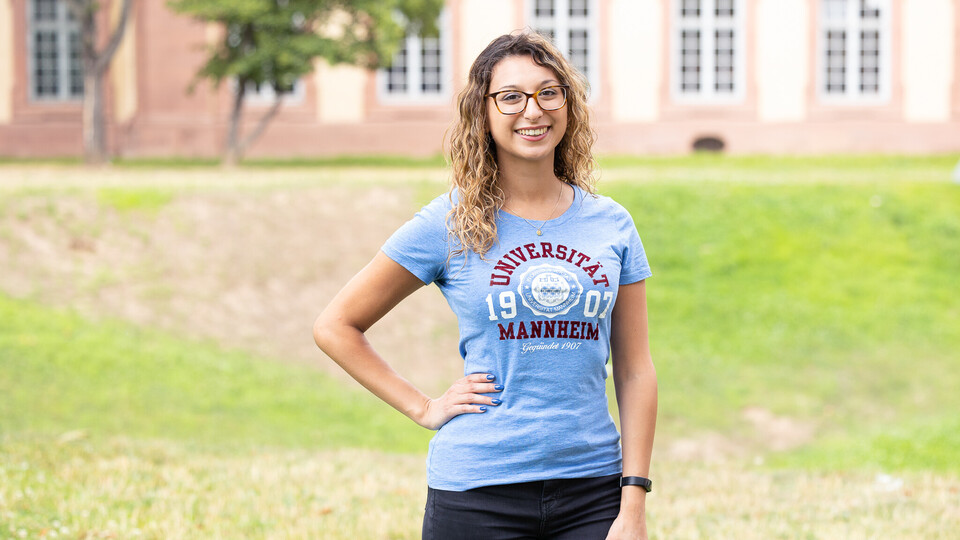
(535,96)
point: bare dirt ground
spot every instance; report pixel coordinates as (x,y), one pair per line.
(247,258)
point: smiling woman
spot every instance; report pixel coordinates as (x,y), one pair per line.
(547,280)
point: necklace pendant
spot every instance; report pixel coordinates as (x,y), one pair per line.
(539,232)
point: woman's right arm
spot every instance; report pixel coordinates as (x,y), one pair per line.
(339,332)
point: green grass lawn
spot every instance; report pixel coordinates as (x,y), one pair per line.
(61,373)
(831,303)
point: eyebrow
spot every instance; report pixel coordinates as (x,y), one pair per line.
(506,86)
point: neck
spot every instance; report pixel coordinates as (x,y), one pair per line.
(528,182)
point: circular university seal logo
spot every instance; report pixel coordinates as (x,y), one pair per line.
(549,290)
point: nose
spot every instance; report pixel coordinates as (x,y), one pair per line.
(533,110)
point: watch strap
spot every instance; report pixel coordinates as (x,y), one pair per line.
(645,483)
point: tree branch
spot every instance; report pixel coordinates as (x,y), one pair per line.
(103,58)
(262,124)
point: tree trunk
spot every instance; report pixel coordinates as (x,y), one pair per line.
(232,150)
(95,65)
(94,139)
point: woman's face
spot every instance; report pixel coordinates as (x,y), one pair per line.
(533,134)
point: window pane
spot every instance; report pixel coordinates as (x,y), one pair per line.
(46,83)
(723,61)
(578,8)
(430,66)
(724,8)
(836,62)
(397,72)
(45,10)
(870,62)
(76,65)
(578,50)
(690,61)
(868,10)
(544,8)
(690,8)
(56,67)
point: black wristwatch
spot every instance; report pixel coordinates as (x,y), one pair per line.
(645,483)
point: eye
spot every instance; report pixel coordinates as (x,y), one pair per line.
(549,92)
(510,97)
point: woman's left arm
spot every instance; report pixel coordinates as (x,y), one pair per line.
(635,380)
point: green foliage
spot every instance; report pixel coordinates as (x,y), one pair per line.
(61,373)
(274,42)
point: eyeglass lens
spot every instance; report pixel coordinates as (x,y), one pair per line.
(548,99)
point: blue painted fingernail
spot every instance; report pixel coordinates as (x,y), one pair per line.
(497,401)
(498,387)
(483,409)
(491,377)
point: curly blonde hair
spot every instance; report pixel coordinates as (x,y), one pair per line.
(473,155)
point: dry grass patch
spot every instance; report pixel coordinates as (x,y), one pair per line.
(161,490)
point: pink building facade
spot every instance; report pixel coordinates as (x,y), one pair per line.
(759,76)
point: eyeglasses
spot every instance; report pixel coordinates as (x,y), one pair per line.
(549,98)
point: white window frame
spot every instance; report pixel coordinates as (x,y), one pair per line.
(62,27)
(561,24)
(414,93)
(707,24)
(852,24)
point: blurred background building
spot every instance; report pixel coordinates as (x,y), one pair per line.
(752,76)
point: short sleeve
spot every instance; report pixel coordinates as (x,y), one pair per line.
(633,265)
(421,245)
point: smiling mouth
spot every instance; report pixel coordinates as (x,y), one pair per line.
(533,132)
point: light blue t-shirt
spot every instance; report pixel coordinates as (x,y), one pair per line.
(536,314)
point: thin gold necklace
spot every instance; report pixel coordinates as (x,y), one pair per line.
(544,222)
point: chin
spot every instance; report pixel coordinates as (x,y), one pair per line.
(534,154)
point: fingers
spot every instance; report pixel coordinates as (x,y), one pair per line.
(478,399)
(465,394)
(479,383)
(479,377)
(470,409)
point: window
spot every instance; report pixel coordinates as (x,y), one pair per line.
(571,25)
(854,50)
(55,69)
(419,70)
(708,50)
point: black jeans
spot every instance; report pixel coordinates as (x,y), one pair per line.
(566,509)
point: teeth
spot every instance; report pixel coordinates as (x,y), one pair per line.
(532,132)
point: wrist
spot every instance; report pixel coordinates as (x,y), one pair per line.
(633,499)
(419,412)
(633,495)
